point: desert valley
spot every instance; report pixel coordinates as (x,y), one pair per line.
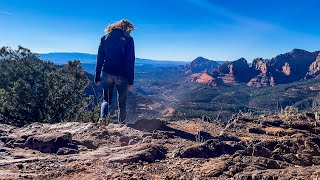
(198,120)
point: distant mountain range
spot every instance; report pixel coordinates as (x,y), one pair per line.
(63,58)
(89,60)
(285,68)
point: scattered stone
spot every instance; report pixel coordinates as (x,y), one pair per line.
(162,135)
(209,149)
(273,123)
(197,151)
(311,115)
(147,139)
(241,151)
(20,166)
(259,150)
(301,125)
(123,141)
(134,141)
(256,131)
(88,143)
(103,134)
(225,137)
(66,151)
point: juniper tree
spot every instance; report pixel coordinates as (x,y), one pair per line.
(33,90)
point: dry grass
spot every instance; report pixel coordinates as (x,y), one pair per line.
(288,112)
(274,129)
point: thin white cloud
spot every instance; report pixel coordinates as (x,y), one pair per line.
(5,12)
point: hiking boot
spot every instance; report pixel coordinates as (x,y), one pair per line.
(102,122)
(108,120)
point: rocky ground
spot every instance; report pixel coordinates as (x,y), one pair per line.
(248,147)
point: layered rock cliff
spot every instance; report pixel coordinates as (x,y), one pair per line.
(234,72)
(261,76)
(284,68)
(314,69)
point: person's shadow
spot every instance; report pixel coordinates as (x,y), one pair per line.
(151,125)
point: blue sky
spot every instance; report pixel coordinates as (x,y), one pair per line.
(166,29)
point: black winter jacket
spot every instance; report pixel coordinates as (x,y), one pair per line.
(116,56)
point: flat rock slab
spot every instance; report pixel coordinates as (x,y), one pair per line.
(143,152)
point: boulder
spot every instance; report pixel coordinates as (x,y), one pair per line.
(144,153)
(66,151)
(261,151)
(49,143)
(208,149)
(122,140)
(298,159)
(198,151)
(88,143)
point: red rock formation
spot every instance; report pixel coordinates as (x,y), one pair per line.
(292,66)
(224,68)
(228,79)
(264,78)
(314,70)
(204,78)
(201,64)
(315,87)
(286,69)
(226,74)
(234,72)
(260,64)
(240,69)
(261,80)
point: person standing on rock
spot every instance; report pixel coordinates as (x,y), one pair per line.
(116,59)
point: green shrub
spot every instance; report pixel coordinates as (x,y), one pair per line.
(33,90)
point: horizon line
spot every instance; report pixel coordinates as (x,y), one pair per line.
(142,58)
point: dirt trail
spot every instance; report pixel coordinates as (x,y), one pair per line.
(247,148)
